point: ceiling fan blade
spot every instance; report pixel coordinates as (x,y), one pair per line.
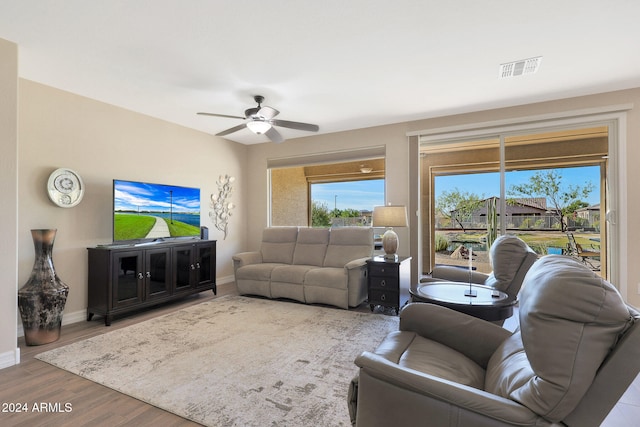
(274,135)
(221,115)
(295,125)
(232,130)
(268,112)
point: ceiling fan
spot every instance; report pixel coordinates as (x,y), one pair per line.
(260,120)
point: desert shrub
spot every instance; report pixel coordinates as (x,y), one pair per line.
(442,243)
(526,224)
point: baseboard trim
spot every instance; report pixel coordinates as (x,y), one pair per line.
(10,358)
(81,315)
(225,280)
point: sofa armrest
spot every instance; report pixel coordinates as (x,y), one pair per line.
(356,263)
(390,376)
(356,271)
(246,258)
(475,338)
(448,273)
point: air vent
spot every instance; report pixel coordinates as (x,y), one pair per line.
(519,68)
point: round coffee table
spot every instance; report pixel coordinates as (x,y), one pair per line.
(487,304)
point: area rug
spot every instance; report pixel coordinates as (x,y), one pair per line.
(235,361)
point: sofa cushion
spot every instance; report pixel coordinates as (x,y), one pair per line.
(311,246)
(347,244)
(256,271)
(570,318)
(290,273)
(410,350)
(327,277)
(278,244)
(511,251)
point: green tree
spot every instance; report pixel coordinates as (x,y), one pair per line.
(345,213)
(457,205)
(320,216)
(563,199)
(350,213)
(575,205)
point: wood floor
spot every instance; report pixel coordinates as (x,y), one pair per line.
(53,397)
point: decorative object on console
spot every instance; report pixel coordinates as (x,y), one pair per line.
(42,299)
(65,188)
(220,204)
(390,216)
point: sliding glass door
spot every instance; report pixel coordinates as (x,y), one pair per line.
(548,188)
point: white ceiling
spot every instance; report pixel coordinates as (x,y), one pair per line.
(341,64)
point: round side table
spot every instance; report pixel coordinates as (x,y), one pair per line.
(488,304)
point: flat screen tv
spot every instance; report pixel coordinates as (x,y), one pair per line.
(154,212)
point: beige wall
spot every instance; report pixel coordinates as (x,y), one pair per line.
(9,191)
(102,142)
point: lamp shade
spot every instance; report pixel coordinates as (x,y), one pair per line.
(389,216)
(258,127)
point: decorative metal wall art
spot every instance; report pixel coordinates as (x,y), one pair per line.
(221,204)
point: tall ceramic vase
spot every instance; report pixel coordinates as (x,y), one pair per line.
(41,300)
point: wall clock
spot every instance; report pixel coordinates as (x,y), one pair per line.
(65,188)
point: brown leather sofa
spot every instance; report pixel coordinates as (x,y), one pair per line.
(575,353)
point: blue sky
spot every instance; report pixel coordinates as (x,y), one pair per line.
(488,184)
(154,197)
(360,195)
(364,195)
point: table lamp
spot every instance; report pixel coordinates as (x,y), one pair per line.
(390,216)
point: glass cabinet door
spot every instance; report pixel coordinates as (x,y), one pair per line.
(183,266)
(128,278)
(156,272)
(194,266)
(205,264)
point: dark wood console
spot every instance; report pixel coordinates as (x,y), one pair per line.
(124,278)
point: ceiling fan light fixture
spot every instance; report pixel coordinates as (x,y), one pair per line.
(258,127)
(260,120)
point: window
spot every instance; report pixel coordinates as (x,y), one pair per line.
(331,194)
(345,203)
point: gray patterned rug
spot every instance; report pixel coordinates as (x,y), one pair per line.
(235,361)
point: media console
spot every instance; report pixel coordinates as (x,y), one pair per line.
(123,278)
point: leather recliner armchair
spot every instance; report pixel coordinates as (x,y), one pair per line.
(510,259)
(575,353)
